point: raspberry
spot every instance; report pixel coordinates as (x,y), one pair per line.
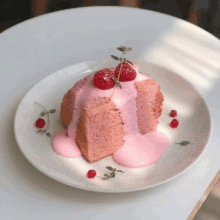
(127,72)
(103,79)
(173,113)
(40,123)
(91,174)
(174,123)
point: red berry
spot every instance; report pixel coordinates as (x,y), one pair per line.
(174,123)
(127,72)
(40,123)
(91,174)
(173,113)
(103,79)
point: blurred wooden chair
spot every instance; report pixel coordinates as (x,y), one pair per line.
(190,10)
(40,7)
(176,8)
(206,14)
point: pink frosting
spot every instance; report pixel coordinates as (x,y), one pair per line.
(138,150)
(123,99)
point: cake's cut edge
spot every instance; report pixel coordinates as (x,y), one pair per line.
(100,129)
(149,103)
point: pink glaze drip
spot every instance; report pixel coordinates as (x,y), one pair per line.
(138,150)
(123,99)
(141,150)
(64,145)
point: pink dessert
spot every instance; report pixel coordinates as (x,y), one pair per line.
(101,123)
(113,121)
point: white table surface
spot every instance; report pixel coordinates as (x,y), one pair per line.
(38,47)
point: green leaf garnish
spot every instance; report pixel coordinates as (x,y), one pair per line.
(120,171)
(52,110)
(122,49)
(115,57)
(184,143)
(42,113)
(113,174)
(117,84)
(129,62)
(128,49)
(48,134)
(109,168)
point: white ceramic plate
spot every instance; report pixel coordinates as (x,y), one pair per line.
(179,94)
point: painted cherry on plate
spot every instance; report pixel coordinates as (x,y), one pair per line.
(174,123)
(91,174)
(173,113)
(40,123)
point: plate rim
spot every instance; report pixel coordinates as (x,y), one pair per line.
(108,190)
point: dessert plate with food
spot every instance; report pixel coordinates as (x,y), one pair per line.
(113,125)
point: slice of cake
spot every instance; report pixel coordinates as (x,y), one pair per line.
(100,129)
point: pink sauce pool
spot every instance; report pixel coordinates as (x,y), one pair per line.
(141,150)
(64,145)
(138,150)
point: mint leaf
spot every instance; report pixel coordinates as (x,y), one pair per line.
(122,49)
(109,168)
(129,62)
(48,134)
(120,171)
(52,110)
(117,84)
(184,143)
(128,49)
(112,174)
(115,57)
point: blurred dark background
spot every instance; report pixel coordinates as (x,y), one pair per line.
(199,12)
